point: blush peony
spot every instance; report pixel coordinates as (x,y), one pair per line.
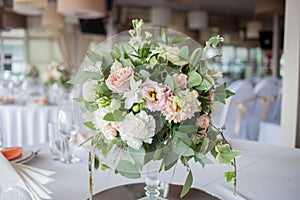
(119,80)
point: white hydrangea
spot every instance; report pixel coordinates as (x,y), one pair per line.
(89,90)
(168,53)
(106,127)
(136,129)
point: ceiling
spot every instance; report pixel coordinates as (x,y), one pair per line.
(241,8)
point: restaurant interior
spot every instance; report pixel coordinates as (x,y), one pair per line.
(49,48)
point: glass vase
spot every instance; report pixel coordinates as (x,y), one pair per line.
(152,188)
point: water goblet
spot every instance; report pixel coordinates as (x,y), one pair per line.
(68,130)
(1,139)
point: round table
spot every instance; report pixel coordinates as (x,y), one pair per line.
(136,191)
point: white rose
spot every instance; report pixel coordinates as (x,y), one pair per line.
(89,89)
(98,120)
(55,74)
(136,129)
(116,66)
(109,132)
(173,54)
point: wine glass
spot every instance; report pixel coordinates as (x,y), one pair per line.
(68,130)
(1,139)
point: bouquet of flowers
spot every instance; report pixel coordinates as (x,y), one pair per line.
(32,72)
(153,99)
(57,72)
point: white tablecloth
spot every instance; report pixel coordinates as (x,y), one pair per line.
(264,172)
(26,125)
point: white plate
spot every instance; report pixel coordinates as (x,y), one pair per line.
(27,155)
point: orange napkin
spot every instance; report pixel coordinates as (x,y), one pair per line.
(12,153)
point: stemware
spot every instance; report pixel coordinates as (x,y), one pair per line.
(68,130)
(1,139)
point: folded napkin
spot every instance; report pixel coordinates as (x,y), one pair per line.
(30,178)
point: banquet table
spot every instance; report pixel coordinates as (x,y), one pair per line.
(264,172)
(24,125)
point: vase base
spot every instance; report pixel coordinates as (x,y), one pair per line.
(136,191)
(152,198)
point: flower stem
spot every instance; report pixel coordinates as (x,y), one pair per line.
(220,130)
(90,157)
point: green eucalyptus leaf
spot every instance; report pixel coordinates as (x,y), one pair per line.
(170,159)
(116,116)
(179,40)
(93,56)
(204,147)
(104,89)
(138,156)
(204,86)
(96,162)
(169,81)
(127,62)
(158,152)
(80,100)
(194,79)
(195,58)
(83,76)
(104,167)
(117,51)
(210,79)
(184,53)
(187,184)
(164,36)
(107,61)
(203,160)
(188,129)
(128,169)
(145,74)
(90,125)
(182,149)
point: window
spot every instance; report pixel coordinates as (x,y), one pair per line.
(13,52)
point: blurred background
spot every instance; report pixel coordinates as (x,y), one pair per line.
(36,32)
(43,43)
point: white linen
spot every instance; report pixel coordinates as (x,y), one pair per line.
(269,133)
(26,125)
(29,178)
(264,172)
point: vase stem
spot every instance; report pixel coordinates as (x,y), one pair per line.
(91,156)
(152,186)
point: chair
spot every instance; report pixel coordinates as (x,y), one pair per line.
(266,92)
(239,108)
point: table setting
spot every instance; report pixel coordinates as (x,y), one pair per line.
(20,181)
(141,126)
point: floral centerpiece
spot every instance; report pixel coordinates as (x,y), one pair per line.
(32,72)
(59,73)
(153,99)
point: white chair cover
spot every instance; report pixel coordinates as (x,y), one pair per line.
(239,109)
(266,93)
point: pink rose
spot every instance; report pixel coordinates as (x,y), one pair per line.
(155,94)
(119,80)
(180,80)
(203,122)
(109,132)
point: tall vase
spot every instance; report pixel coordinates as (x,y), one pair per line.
(152,189)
